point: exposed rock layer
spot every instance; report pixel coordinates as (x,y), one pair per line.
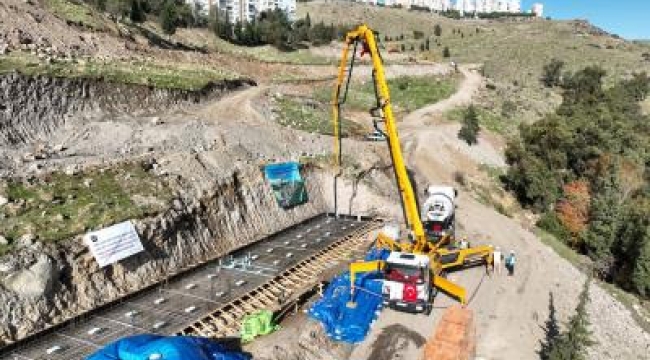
(238,209)
(32,107)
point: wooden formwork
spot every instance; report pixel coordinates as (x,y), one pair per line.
(283,289)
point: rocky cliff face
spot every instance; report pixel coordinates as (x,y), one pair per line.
(205,222)
(33,107)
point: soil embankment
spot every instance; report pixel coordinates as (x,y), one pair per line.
(33,107)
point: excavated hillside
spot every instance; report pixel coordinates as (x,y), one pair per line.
(202,150)
(35,107)
(174,137)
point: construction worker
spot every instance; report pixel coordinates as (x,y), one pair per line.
(498,260)
(510,263)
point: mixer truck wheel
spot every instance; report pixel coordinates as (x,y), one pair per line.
(428,308)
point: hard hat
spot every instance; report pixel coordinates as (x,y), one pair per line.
(512,252)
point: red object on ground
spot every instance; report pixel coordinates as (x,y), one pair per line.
(454,338)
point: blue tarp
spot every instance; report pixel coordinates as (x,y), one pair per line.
(145,347)
(287,184)
(346,324)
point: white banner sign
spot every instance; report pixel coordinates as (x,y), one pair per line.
(114,243)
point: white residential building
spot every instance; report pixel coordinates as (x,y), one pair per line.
(502,6)
(485,6)
(249,10)
(204,4)
(538,9)
(514,6)
(439,5)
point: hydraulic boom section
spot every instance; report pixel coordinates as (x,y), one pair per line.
(365,37)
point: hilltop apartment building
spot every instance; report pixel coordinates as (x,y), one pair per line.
(464,6)
(248,10)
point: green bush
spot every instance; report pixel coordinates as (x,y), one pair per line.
(552,224)
(470,129)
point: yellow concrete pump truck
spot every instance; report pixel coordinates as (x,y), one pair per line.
(417,265)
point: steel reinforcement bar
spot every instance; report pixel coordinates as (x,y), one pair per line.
(283,289)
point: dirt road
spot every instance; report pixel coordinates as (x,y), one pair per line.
(468,88)
(510,311)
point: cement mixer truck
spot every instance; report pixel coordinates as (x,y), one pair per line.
(438,212)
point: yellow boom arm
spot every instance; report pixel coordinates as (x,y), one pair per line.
(366,37)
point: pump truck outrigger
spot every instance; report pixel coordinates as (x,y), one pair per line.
(417,266)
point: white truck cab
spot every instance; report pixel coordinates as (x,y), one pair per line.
(407,282)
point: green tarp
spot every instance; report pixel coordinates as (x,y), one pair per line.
(257,324)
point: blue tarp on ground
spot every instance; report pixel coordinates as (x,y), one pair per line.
(287,184)
(346,324)
(145,347)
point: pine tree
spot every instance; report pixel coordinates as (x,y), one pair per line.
(634,246)
(551,332)
(101,5)
(227,28)
(251,34)
(573,343)
(308,21)
(604,224)
(137,13)
(437,30)
(239,33)
(168,17)
(470,129)
(641,270)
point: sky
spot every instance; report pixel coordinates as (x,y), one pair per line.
(627,18)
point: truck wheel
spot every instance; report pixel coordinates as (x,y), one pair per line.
(433,293)
(428,308)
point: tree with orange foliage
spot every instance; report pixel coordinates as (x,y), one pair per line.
(573,209)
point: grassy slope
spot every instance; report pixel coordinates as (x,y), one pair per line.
(313,113)
(513,53)
(62,205)
(407,93)
(78,13)
(171,76)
